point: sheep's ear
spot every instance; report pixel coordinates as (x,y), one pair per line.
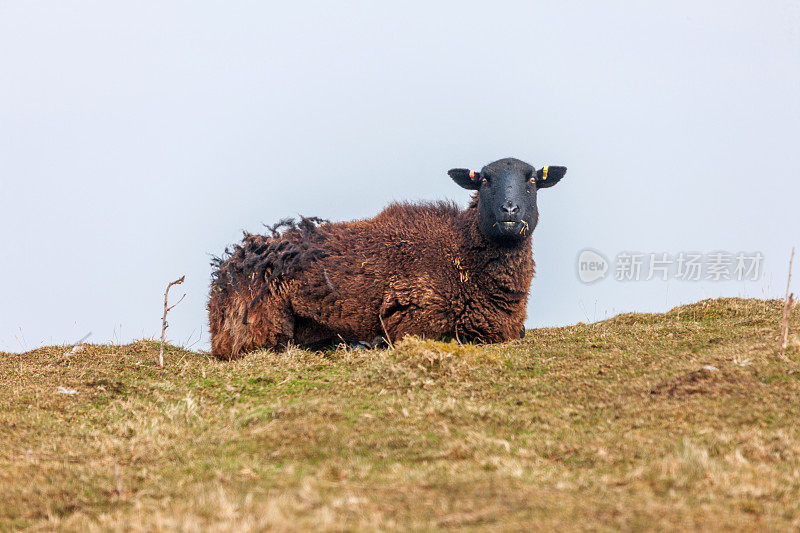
(469,179)
(549,176)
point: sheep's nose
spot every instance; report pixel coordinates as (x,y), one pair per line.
(510,207)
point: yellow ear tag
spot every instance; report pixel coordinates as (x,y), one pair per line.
(544,173)
(472,174)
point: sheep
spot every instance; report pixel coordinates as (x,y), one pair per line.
(427,269)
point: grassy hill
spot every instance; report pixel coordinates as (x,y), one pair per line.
(683,420)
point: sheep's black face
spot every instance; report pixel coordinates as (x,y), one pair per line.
(507,197)
(507,201)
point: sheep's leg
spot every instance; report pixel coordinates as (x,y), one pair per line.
(375,344)
(484,327)
(403,314)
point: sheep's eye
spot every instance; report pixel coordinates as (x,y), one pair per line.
(485,181)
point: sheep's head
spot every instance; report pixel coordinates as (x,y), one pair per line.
(507,188)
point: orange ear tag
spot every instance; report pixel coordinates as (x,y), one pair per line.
(472,174)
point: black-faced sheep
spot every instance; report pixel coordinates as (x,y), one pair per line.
(427,269)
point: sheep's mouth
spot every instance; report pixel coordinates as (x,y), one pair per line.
(512,227)
(508,224)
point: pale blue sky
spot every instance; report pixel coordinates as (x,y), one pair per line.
(137,138)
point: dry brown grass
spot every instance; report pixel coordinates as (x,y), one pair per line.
(590,427)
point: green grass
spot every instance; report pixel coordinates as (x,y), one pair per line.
(601,427)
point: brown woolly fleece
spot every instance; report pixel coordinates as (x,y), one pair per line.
(415,269)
